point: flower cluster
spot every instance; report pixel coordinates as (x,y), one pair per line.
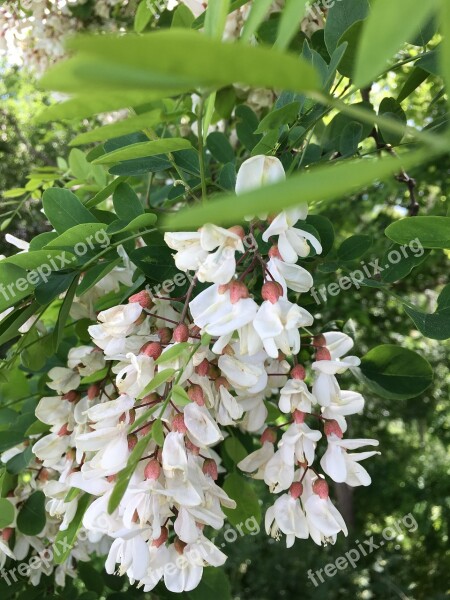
(139,415)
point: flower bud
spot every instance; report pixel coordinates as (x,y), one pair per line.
(181,333)
(213,371)
(143,298)
(210,468)
(152,349)
(93,391)
(274,252)
(298,372)
(296,490)
(132,441)
(202,368)
(165,335)
(152,470)
(162,538)
(320,487)
(319,341)
(178,423)
(192,447)
(64,430)
(238,290)
(196,394)
(71,396)
(179,545)
(237,230)
(221,381)
(323,354)
(331,427)
(268,435)
(7,533)
(299,416)
(271,291)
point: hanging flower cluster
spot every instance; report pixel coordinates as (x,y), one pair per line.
(140,413)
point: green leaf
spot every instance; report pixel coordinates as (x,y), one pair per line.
(126,202)
(215,17)
(258,11)
(158,432)
(431,232)
(351,38)
(243,493)
(179,396)
(123,478)
(354,247)
(235,449)
(105,193)
(13,286)
(173,353)
(351,136)
(144,62)
(19,463)
(182,17)
(160,378)
(278,117)
(9,326)
(291,17)
(214,584)
(143,16)
(382,37)
(437,325)
(399,261)
(415,79)
(340,18)
(390,107)
(58,332)
(395,373)
(64,210)
(55,285)
(79,234)
(7,513)
(140,222)
(325,229)
(130,125)
(321,184)
(78,164)
(144,149)
(220,147)
(95,274)
(444,54)
(31,519)
(65,540)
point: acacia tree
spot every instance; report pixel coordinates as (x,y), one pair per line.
(167,335)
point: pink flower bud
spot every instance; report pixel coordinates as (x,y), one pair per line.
(223,288)
(165,335)
(298,372)
(93,391)
(268,435)
(71,396)
(152,470)
(64,430)
(238,290)
(271,291)
(296,490)
(238,230)
(162,538)
(196,394)
(323,354)
(202,368)
(181,333)
(7,533)
(210,468)
(178,423)
(274,252)
(132,441)
(152,349)
(143,298)
(331,427)
(319,341)
(179,545)
(299,416)
(320,487)
(221,381)
(192,447)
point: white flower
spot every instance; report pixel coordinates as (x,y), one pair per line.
(214,313)
(300,440)
(131,551)
(335,461)
(202,428)
(229,410)
(292,242)
(86,359)
(190,254)
(324,519)
(115,324)
(338,343)
(326,388)
(55,411)
(290,276)
(279,471)
(257,460)
(50,448)
(63,380)
(296,396)
(348,403)
(245,373)
(259,171)
(174,457)
(277,325)
(286,515)
(133,378)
